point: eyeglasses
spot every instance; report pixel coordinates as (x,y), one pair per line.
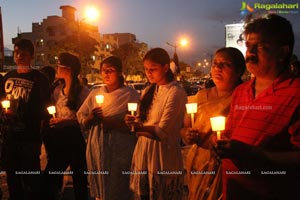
(221,65)
(108,71)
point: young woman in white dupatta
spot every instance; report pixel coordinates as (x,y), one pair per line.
(110,144)
(157,163)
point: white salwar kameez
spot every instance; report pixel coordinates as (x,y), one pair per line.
(157,166)
(109,151)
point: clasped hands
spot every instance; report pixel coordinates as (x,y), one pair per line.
(95,116)
(224,148)
(192,136)
(131,120)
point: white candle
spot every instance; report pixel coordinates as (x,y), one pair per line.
(5,104)
(218,125)
(51,110)
(132,107)
(191,108)
(100,99)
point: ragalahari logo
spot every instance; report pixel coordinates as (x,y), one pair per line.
(246,8)
(279,8)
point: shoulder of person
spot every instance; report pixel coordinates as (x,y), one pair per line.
(130,89)
(95,91)
(295,81)
(38,74)
(177,91)
(10,74)
(58,87)
(84,91)
(148,87)
(201,96)
(244,85)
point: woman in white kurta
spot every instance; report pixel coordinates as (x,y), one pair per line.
(110,144)
(156,169)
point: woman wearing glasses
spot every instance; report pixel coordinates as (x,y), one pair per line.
(110,143)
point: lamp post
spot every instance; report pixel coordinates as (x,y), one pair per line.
(183,42)
(172,45)
(175,56)
(83,24)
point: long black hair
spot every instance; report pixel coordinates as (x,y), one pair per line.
(72,61)
(159,56)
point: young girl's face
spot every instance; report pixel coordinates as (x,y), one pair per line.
(109,75)
(156,73)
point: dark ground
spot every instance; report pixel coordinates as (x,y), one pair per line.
(68,187)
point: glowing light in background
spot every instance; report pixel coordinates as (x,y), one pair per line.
(183,42)
(91,13)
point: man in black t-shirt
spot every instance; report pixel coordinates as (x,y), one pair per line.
(29,93)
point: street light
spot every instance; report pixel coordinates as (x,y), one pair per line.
(183,42)
(90,14)
(172,45)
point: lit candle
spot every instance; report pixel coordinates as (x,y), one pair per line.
(100,99)
(5,104)
(191,108)
(51,110)
(218,125)
(132,107)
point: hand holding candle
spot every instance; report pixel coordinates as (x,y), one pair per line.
(100,99)
(191,108)
(132,107)
(5,104)
(218,124)
(52,110)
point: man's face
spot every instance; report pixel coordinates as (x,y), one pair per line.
(22,57)
(261,56)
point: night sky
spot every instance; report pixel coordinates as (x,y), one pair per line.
(154,22)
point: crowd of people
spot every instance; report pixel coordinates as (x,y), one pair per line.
(113,154)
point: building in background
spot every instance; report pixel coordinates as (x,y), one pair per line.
(54,29)
(48,34)
(123,38)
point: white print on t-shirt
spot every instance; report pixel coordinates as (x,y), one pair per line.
(18,88)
